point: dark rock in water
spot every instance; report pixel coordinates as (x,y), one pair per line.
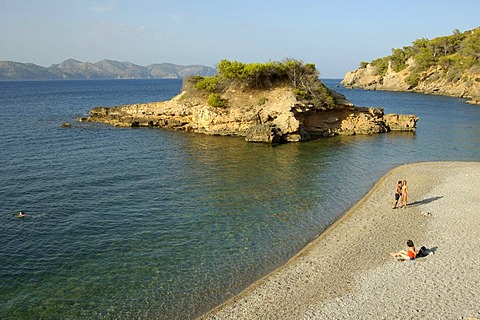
(264,133)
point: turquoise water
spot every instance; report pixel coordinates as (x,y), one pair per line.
(154,224)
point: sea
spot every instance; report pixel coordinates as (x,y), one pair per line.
(144,223)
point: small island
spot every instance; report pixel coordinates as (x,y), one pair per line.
(271,102)
(448,65)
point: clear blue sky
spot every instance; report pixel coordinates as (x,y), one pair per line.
(335,35)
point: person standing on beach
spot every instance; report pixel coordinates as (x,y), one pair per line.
(404,193)
(398,194)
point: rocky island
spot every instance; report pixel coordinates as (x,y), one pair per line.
(447,65)
(270,102)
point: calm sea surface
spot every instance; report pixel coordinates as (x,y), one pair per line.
(154,224)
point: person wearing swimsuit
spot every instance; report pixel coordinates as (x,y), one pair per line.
(410,254)
(398,193)
(404,193)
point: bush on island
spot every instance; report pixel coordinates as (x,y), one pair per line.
(302,77)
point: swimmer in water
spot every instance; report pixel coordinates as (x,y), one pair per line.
(21,214)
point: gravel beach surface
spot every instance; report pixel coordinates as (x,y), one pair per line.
(347,272)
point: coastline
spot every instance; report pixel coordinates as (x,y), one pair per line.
(347,272)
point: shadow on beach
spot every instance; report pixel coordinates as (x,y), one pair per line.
(424,201)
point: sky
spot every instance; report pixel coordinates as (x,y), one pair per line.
(335,35)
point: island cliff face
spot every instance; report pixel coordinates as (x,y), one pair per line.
(272,115)
(447,65)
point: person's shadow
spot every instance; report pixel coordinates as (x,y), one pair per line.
(424,201)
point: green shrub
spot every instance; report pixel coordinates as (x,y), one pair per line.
(262,101)
(302,77)
(398,60)
(215,100)
(363,64)
(323,97)
(301,94)
(231,69)
(259,75)
(381,65)
(424,59)
(413,78)
(208,84)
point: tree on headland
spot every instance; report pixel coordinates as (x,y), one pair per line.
(457,53)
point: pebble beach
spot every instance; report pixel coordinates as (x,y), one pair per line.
(347,272)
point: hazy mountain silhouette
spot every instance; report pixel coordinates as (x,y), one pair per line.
(72,69)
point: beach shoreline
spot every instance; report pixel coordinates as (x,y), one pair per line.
(346,272)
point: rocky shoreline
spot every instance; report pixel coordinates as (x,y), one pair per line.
(271,116)
(446,65)
(347,273)
(434,81)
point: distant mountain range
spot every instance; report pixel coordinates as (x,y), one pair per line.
(105,69)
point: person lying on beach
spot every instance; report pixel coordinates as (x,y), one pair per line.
(411,254)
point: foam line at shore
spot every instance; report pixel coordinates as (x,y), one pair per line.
(347,273)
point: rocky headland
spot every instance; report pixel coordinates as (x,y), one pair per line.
(271,102)
(447,65)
